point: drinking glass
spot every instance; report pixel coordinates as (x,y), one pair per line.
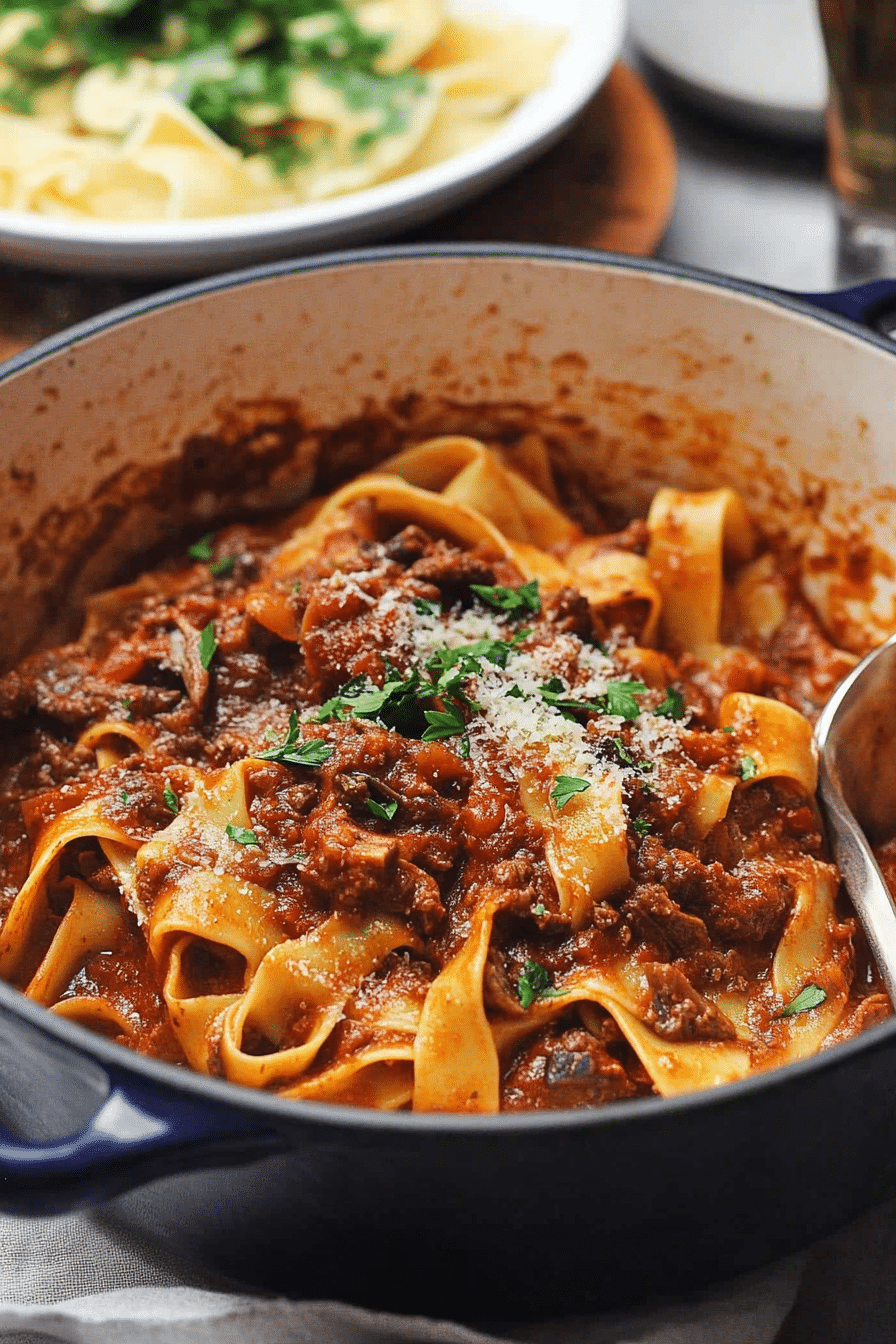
(860,40)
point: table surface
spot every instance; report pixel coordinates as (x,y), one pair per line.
(752,205)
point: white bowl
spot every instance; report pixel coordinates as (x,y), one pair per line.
(595,31)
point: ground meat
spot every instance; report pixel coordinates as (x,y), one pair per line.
(655,918)
(566,1065)
(748,907)
(678,1012)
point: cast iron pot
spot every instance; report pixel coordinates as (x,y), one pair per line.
(202,402)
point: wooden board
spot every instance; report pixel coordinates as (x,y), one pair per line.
(609,183)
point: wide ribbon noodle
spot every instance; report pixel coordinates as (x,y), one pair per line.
(126,112)
(430,799)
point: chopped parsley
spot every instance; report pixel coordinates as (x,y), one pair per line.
(385,811)
(124,795)
(621,698)
(443,723)
(424,608)
(233,64)
(202,549)
(208,645)
(170,798)
(566,787)
(539,909)
(641,825)
(673,705)
(465,748)
(338,704)
(516,602)
(813,996)
(221,568)
(747,767)
(242,835)
(535,983)
(293,751)
(126,708)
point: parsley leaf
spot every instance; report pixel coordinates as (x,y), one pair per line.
(673,705)
(126,707)
(336,706)
(124,795)
(621,698)
(515,601)
(747,767)
(292,751)
(641,825)
(813,996)
(242,835)
(208,645)
(202,549)
(539,909)
(386,811)
(223,567)
(566,787)
(424,608)
(443,723)
(553,693)
(465,748)
(170,798)
(535,983)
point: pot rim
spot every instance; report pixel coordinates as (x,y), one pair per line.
(300,1112)
(800,305)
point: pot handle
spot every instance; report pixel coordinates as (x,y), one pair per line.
(872,304)
(141,1131)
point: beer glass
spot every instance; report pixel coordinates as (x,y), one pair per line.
(860,40)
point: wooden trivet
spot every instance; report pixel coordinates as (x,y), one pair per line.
(609,183)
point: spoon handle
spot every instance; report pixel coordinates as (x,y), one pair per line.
(862,878)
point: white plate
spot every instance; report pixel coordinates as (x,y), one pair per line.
(760,63)
(192,247)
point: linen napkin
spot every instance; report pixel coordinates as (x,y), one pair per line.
(82,1280)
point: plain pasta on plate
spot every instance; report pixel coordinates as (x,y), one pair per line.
(140,112)
(432,798)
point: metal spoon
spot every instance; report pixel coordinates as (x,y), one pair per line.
(856,739)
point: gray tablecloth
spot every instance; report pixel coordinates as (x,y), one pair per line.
(78,1279)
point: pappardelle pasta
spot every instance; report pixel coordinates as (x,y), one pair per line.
(118,110)
(431,799)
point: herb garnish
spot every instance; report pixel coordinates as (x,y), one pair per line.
(747,767)
(539,909)
(242,835)
(170,798)
(443,723)
(124,795)
(202,549)
(293,751)
(641,825)
(386,811)
(234,67)
(208,645)
(424,608)
(813,996)
(516,602)
(221,568)
(621,698)
(535,983)
(126,706)
(566,787)
(673,705)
